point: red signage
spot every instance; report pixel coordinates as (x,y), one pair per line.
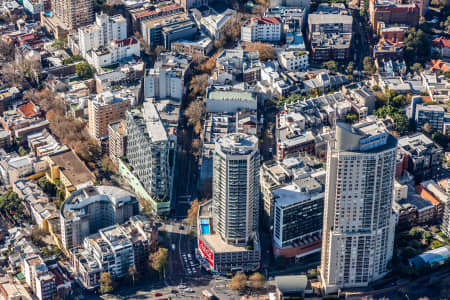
(208,254)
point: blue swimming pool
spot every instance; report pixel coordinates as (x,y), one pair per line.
(204,223)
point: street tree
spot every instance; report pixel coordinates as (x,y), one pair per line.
(238,282)
(132,271)
(106,283)
(331,65)
(197,85)
(427,128)
(194,112)
(192,212)
(257,280)
(84,70)
(416,67)
(369,65)
(159,260)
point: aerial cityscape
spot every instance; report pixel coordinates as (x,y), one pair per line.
(228,150)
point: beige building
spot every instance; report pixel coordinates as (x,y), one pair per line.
(73,13)
(358,223)
(117,136)
(105,108)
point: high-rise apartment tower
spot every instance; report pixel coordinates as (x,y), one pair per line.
(236,187)
(358,229)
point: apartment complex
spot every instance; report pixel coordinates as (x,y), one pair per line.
(148,151)
(165,31)
(117,137)
(431,114)
(114,52)
(420,156)
(294,61)
(237,65)
(102,32)
(236,187)
(330,33)
(277,174)
(297,226)
(105,108)
(73,13)
(392,12)
(38,277)
(166,79)
(114,249)
(262,29)
(89,209)
(359,225)
(228,225)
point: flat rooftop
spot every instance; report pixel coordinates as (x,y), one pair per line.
(72,167)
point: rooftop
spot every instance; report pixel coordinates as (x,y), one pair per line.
(72,167)
(233,94)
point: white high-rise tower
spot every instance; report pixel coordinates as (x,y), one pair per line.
(236,188)
(359,225)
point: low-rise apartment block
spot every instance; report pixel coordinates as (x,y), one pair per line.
(14,167)
(262,29)
(330,33)
(237,65)
(165,31)
(294,61)
(166,80)
(420,156)
(393,12)
(114,249)
(38,277)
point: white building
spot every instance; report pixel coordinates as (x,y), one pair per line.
(102,32)
(262,29)
(166,79)
(213,24)
(359,225)
(230,101)
(294,61)
(114,52)
(236,188)
(38,277)
(13,166)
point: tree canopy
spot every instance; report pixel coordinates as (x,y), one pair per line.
(417,47)
(398,116)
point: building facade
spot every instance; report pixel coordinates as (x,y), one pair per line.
(359,225)
(102,32)
(38,277)
(90,209)
(117,134)
(262,29)
(73,13)
(294,61)
(148,151)
(105,108)
(236,187)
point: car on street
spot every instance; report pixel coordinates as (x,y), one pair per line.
(182,287)
(189,290)
(158,294)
